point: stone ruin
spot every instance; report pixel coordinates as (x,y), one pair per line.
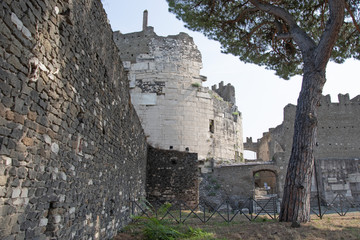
(188,126)
(73,152)
(176,112)
(336,155)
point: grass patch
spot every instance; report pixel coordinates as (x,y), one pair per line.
(331,227)
(198,234)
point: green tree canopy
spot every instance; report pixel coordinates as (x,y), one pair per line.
(261,37)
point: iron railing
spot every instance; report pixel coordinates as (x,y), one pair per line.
(251,209)
(340,205)
(180,212)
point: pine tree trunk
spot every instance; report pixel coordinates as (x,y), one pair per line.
(295,205)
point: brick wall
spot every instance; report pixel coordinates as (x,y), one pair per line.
(72,148)
(172,176)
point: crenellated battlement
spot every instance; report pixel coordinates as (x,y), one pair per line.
(343,99)
(338,128)
(227,92)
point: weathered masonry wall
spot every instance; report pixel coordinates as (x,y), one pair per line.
(172,176)
(339,176)
(338,146)
(175,111)
(339,128)
(236,181)
(72,148)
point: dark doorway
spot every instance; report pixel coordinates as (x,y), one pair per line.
(265,183)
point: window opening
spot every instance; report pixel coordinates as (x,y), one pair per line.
(211,126)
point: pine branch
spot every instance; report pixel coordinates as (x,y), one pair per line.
(330,35)
(304,42)
(352,16)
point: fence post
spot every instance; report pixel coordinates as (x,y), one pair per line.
(131,206)
(274,207)
(317,189)
(228,209)
(204,213)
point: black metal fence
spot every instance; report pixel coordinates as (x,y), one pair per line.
(340,205)
(249,209)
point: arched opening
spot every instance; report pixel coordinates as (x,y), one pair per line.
(265,183)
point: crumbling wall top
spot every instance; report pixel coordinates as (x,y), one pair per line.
(147,41)
(226,92)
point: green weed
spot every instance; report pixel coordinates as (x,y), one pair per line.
(196,85)
(198,234)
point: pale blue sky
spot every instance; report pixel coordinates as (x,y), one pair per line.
(260,95)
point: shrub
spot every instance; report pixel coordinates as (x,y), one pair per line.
(156,229)
(196,85)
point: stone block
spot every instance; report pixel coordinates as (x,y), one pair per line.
(127,65)
(354,178)
(3,180)
(19,118)
(332,180)
(203,95)
(43,222)
(16,21)
(10,115)
(18,201)
(139,66)
(26,33)
(55,148)
(57,219)
(144,98)
(22,172)
(152,66)
(338,187)
(28,141)
(172,91)
(16,193)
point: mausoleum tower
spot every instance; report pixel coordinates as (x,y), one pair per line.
(166,91)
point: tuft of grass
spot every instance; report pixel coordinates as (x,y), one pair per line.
(332,227)
(217,186)
(159,230)
(216,96)
(198,234)
(264,219)
(196,84)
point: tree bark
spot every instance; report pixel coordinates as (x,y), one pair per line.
(295,205)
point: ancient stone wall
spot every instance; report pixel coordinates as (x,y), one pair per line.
(227,92)
(72,148)
(172,176)
(338,131)
(337,143)
(338,128)
(339,176)
(237,180)
(175,111)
